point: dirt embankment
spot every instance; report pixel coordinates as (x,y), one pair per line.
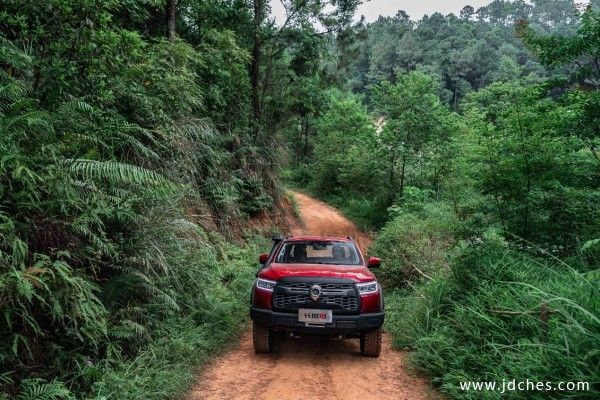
(308,368)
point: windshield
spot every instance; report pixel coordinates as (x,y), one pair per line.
(321,252)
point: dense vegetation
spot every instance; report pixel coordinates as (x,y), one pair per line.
(136,137)
(472,142)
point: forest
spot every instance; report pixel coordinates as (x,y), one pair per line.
(139,139)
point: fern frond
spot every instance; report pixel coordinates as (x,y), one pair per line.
(5,378)
(161,295)
(136,144)
(115,172)
(182,225)
(38,389)
(10,54)
(83,138)
(128,329)
(82,227)
(12,91)
(27,126)
(76,105)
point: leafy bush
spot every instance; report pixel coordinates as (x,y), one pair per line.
(300,175)
(342,164)
(367,212)
(414,245)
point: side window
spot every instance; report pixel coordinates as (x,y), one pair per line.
(286,253)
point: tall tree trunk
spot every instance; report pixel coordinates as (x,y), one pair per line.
(255,66)
(528,173)
(392,178)
(402,174)
(305,137)
(170,13)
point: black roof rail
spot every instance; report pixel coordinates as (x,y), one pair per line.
(350,237)
(277,238)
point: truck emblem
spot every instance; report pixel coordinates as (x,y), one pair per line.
(315,292)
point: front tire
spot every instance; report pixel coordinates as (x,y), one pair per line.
(370,343)
(262,339)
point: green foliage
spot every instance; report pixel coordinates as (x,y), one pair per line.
(363,164)
(116,144)
(412,313)
(122,155)
(483,322)
(580,49)
(37,389)
(467,51)
(341,160)
(344,168)
(212,288)
(524,157)
(416,127)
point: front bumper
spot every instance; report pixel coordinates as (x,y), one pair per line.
(341,324)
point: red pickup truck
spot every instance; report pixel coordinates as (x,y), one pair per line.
(314,285)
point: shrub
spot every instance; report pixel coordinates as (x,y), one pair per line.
(413,245)
(297,176)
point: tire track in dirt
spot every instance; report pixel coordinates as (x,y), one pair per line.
(312,367)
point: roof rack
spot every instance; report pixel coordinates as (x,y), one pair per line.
(350,237)
(277,238)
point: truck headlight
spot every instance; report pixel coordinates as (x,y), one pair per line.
(265,284)
(368,287)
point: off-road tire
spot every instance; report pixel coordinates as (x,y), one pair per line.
(262,339)
(370,343)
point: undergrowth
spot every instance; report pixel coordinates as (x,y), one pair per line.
(485,322)
(216,281)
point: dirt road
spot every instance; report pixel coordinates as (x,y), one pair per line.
(319,218)
(312,368)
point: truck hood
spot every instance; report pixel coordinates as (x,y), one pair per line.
(357,273)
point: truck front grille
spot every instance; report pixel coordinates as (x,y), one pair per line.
(340,297)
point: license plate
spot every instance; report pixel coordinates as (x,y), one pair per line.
(311,316)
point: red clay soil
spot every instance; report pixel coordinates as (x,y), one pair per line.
(311,367)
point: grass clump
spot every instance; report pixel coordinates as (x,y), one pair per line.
(485,322)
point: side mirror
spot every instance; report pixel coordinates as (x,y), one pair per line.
(374,262)
(263,258)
